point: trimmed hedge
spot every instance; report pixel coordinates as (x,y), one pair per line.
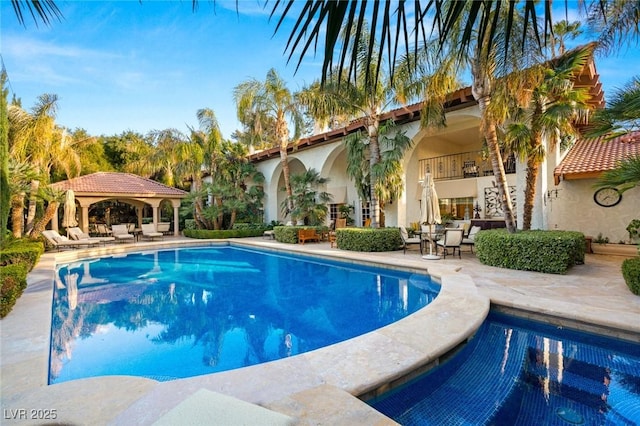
(14,281)
(631,274)
(22,251)
(542,251)
(222,234)
(289,234)
(368,239)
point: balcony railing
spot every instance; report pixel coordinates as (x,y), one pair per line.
(461,166)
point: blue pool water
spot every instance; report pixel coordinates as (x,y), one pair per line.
(519,372)
(186,312)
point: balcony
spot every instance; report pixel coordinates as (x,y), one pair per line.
(461,166)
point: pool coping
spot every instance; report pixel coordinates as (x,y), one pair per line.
(293,386)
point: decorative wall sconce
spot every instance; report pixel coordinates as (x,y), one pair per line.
(552,194)
(476,211)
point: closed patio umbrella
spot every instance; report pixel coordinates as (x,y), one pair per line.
(69,218)
(430,211)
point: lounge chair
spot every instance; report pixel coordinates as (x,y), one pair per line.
(78,234)
(149,232)
(469,240)
(121,233)
(163,227)
(59,241)
(407,241)
(103,230)
(452,240)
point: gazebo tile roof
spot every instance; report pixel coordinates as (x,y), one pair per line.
(118,183)
(596,155)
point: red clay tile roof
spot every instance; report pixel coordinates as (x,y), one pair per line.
(112,183)
(588,158)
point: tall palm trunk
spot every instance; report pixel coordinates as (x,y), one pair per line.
(283,135)
(31,211)
(40,226)
(17,214)
(533,170)
(481,89)
(374,158)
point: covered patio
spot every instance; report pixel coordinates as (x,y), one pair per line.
(122,187)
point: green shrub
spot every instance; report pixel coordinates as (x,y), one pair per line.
(631,274)
(289,234)
(190,224)
(368,239)
(22,251)
(222,233)
(255,226)
(14,281)
(542,251)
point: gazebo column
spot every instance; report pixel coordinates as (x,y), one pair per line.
(176,217)
(176,221)
(84,218)
(155,217)
(139,213)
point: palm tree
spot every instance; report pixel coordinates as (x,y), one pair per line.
(5,193)
(237,171)
(488,66)
(367,102)
(35,137)
(553,109)
(403,25)
(20,176)
(271,102)
(201,155)
(625,176)
(161,160)
(310,206)
(621,115)
(53,197)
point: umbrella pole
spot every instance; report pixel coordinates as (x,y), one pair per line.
(431,256)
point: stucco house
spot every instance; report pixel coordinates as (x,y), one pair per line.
(463,177)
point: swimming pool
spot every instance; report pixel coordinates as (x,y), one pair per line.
(520,372)
(185,312)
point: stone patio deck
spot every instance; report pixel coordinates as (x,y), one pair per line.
(318,387)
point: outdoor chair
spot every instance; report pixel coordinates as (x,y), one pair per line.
(149,232)
(469,240)
(452,240)
(163,227)
(103,230)
(340,223)
(308,235)
(78,235)
(407,241)
(59,241)
(121,233)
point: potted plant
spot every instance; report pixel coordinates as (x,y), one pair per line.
(634,230)
(603,246)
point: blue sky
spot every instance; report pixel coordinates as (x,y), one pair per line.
(125,65)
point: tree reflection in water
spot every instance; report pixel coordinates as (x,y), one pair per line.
(179,313)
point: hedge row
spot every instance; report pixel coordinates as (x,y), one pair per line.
(17,258)
(631,274)
(14,281)
(368,239)
(21,251)
(222,234)
(542,251)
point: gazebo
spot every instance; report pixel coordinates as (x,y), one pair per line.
(122,187)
